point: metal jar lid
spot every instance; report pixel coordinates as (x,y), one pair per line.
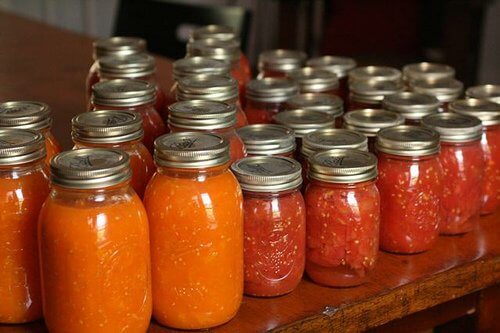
(411,105)
(453,127)
(118,46)
(406,140)
(107,126)
(445,90)
(191,150)
(317,102)
(375,73)
(490,92)
(267,139)
(207,87)
(221,32)
(25,115)
(281,60)
(428,71)
(127,67)
(487,112)
(20,146)
(267,173)
(199,65)
(90,168)
(304,121)
(338,65)
(201,115)
(312,80)
(333,138)
(345,166)
(271,90)
(373,92)
(123,92)
(223,50)
(370,121)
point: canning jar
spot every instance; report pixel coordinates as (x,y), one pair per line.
(268,140)
(195,209)
(94,246)
(280,62)
(343,216)
(427,71)
(489,92)
(370,94)
(24,186)
(313,80)
(318,102)
(120,130)
(375,73)
(410,185)
(274,224)
(445,90)
(412,106)
(462,162)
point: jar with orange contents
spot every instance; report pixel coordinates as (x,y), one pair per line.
(489,92)
(318,102)
(313,80)
(370,94)
(268,140)
(33,116)
(94,246)
(24,186)
(116,129)
(427,71)
(195,209)
(445,90)
(412,106)
(280,62)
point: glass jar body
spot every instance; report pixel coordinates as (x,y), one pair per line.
(490,143)
(262,112)
(51,145)
(92,78)
(239,74)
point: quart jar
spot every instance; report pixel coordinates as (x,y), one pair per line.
(24,186)
(274,224)
(94,246)
(131,95)
(195,209)
(462,162)
(268,140)
(120,130)
(313,80)
(489,114)
(412,106)
(318,102)
(343,216)
(266,97)
(445,90)
(489,92)
(410,184)
(370,94)
(280,62)
(32,116)
(427,71)
(208,116)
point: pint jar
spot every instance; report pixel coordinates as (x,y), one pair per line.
(412,106)
(280,62)
(268,140)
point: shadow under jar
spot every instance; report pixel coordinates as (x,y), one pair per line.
(313,80)
(462,162)
(274,224)
(369,94)
(343,215)
(411,106)
(427,71)
(318,102)
(445,90)
(268,140)
(489,92)
(280,62)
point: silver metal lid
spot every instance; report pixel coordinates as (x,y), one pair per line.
(222,32)
(453,127)
(20,146)
(345,166)
(224,50)
(445,90)
(267,139)
(487,112)
(207,87)
(375,73)
(201,115)
(281,60)
(191,150)
(490,92)
(118,46)
(338,65)
(90,168)
(267,173)
(406,140)
(428,71)
(333,138)
(373,92)
(199,65)
(25,115)
(123,92)
(127,67)
(107,126)
(370,121)
(411,105)
(317,102)
(304,121)
(272,90)
(314,80)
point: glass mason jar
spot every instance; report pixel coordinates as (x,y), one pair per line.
(412,106)
(195,209)
(462,163)
(313,80)
(94,246)
(489,92)
(445,90)
(279,62)
(410,184)
(208,116)
(34,116)
(274,224)
(375,73)
(131,95)
(266,97)
(343,216)
(370,94)
(427,71)
(116,129)
(318,102)
(212,88)
(268,140)
(489,114)
(24,186)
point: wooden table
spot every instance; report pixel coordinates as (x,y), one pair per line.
(459,277)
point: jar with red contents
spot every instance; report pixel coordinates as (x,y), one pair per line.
(338,65)
(410,184)
(318,102)
(462,162)
(489,114)
(489,92)
(445,90)
(268,140)
(119,130)
(280,62)
(412,106)
(343,215)
(313,80)
(274,224)
(212,88)
(266,97)
(131,95)
(427,71)
(369,94)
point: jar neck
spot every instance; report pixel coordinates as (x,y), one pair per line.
(270,194)
(123,107)
(460,144)
(120,188)
(316,182)
(198,173)
(381,154)
(123,145)
(25,168)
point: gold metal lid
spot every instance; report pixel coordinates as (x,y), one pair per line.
(487,112)
(333,138)
(281,60)
(370,121)
(121,46)
(411,105)
(317,102)
(272,90)
(25,115)
(428,71)
(267,139)
(453,127)
(20,146)
(338,65)
(123,92)
(127,67)
(304,121)
(406,140)
(313,80)
(375,73)
(201,115)
(489,92)
(207,87)
(223,50)
(221,32)
(373,92)
(445,90)
(199,65)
